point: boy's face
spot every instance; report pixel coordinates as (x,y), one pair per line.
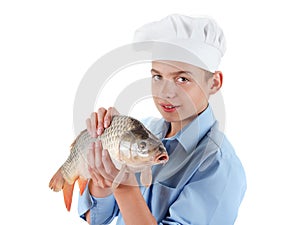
(180,90)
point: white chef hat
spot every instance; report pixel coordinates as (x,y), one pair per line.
(200,36)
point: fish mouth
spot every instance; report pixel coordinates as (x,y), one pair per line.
(162,157)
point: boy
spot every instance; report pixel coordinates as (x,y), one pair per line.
(204,181)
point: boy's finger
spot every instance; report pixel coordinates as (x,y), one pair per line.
(98,156)
(94,124)
(88,126)
(108,116)
(108,165)
(101,114)
(91,156)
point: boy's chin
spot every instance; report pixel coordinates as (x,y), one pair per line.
(183,119)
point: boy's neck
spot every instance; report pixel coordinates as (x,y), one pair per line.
(177,126)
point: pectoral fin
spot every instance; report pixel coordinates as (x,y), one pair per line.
(146,177)
(119,178)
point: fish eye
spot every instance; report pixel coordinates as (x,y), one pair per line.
(142,145)
(142,149)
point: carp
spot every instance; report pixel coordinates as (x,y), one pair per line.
(131,146)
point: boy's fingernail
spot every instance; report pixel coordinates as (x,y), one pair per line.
(100,130)
(106,123)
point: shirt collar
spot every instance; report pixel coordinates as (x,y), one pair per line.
(191,134)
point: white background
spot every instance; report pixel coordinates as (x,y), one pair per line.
(47,46)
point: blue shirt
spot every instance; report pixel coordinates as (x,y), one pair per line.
(202,183)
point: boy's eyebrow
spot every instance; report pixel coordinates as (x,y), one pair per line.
(181,71)
(173,73)
(154,71)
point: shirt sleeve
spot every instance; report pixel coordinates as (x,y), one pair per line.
(211,197)
(102,210)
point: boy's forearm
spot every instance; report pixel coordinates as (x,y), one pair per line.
(133,206)
(96,192)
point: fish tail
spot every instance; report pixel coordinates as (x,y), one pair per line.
(57,182)
(68,194)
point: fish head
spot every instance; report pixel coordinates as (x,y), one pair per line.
(139,147)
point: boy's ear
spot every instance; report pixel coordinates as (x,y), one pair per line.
(216,82)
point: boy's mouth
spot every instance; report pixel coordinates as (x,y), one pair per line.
(169,107)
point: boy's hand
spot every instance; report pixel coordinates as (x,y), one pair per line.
(100,120)
(101,169)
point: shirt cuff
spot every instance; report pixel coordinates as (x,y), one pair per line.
(101,209)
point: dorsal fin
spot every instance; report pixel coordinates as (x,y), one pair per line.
(76,139)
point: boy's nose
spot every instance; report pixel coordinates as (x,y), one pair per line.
(168,89)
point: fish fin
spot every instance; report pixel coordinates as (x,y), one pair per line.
(68,194)
(146,177)
(76,139)
(82,184)
(57,182)
(119,178)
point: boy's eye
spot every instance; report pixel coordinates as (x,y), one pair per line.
(156,77)
(181,80)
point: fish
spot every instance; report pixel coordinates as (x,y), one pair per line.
(131,146)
